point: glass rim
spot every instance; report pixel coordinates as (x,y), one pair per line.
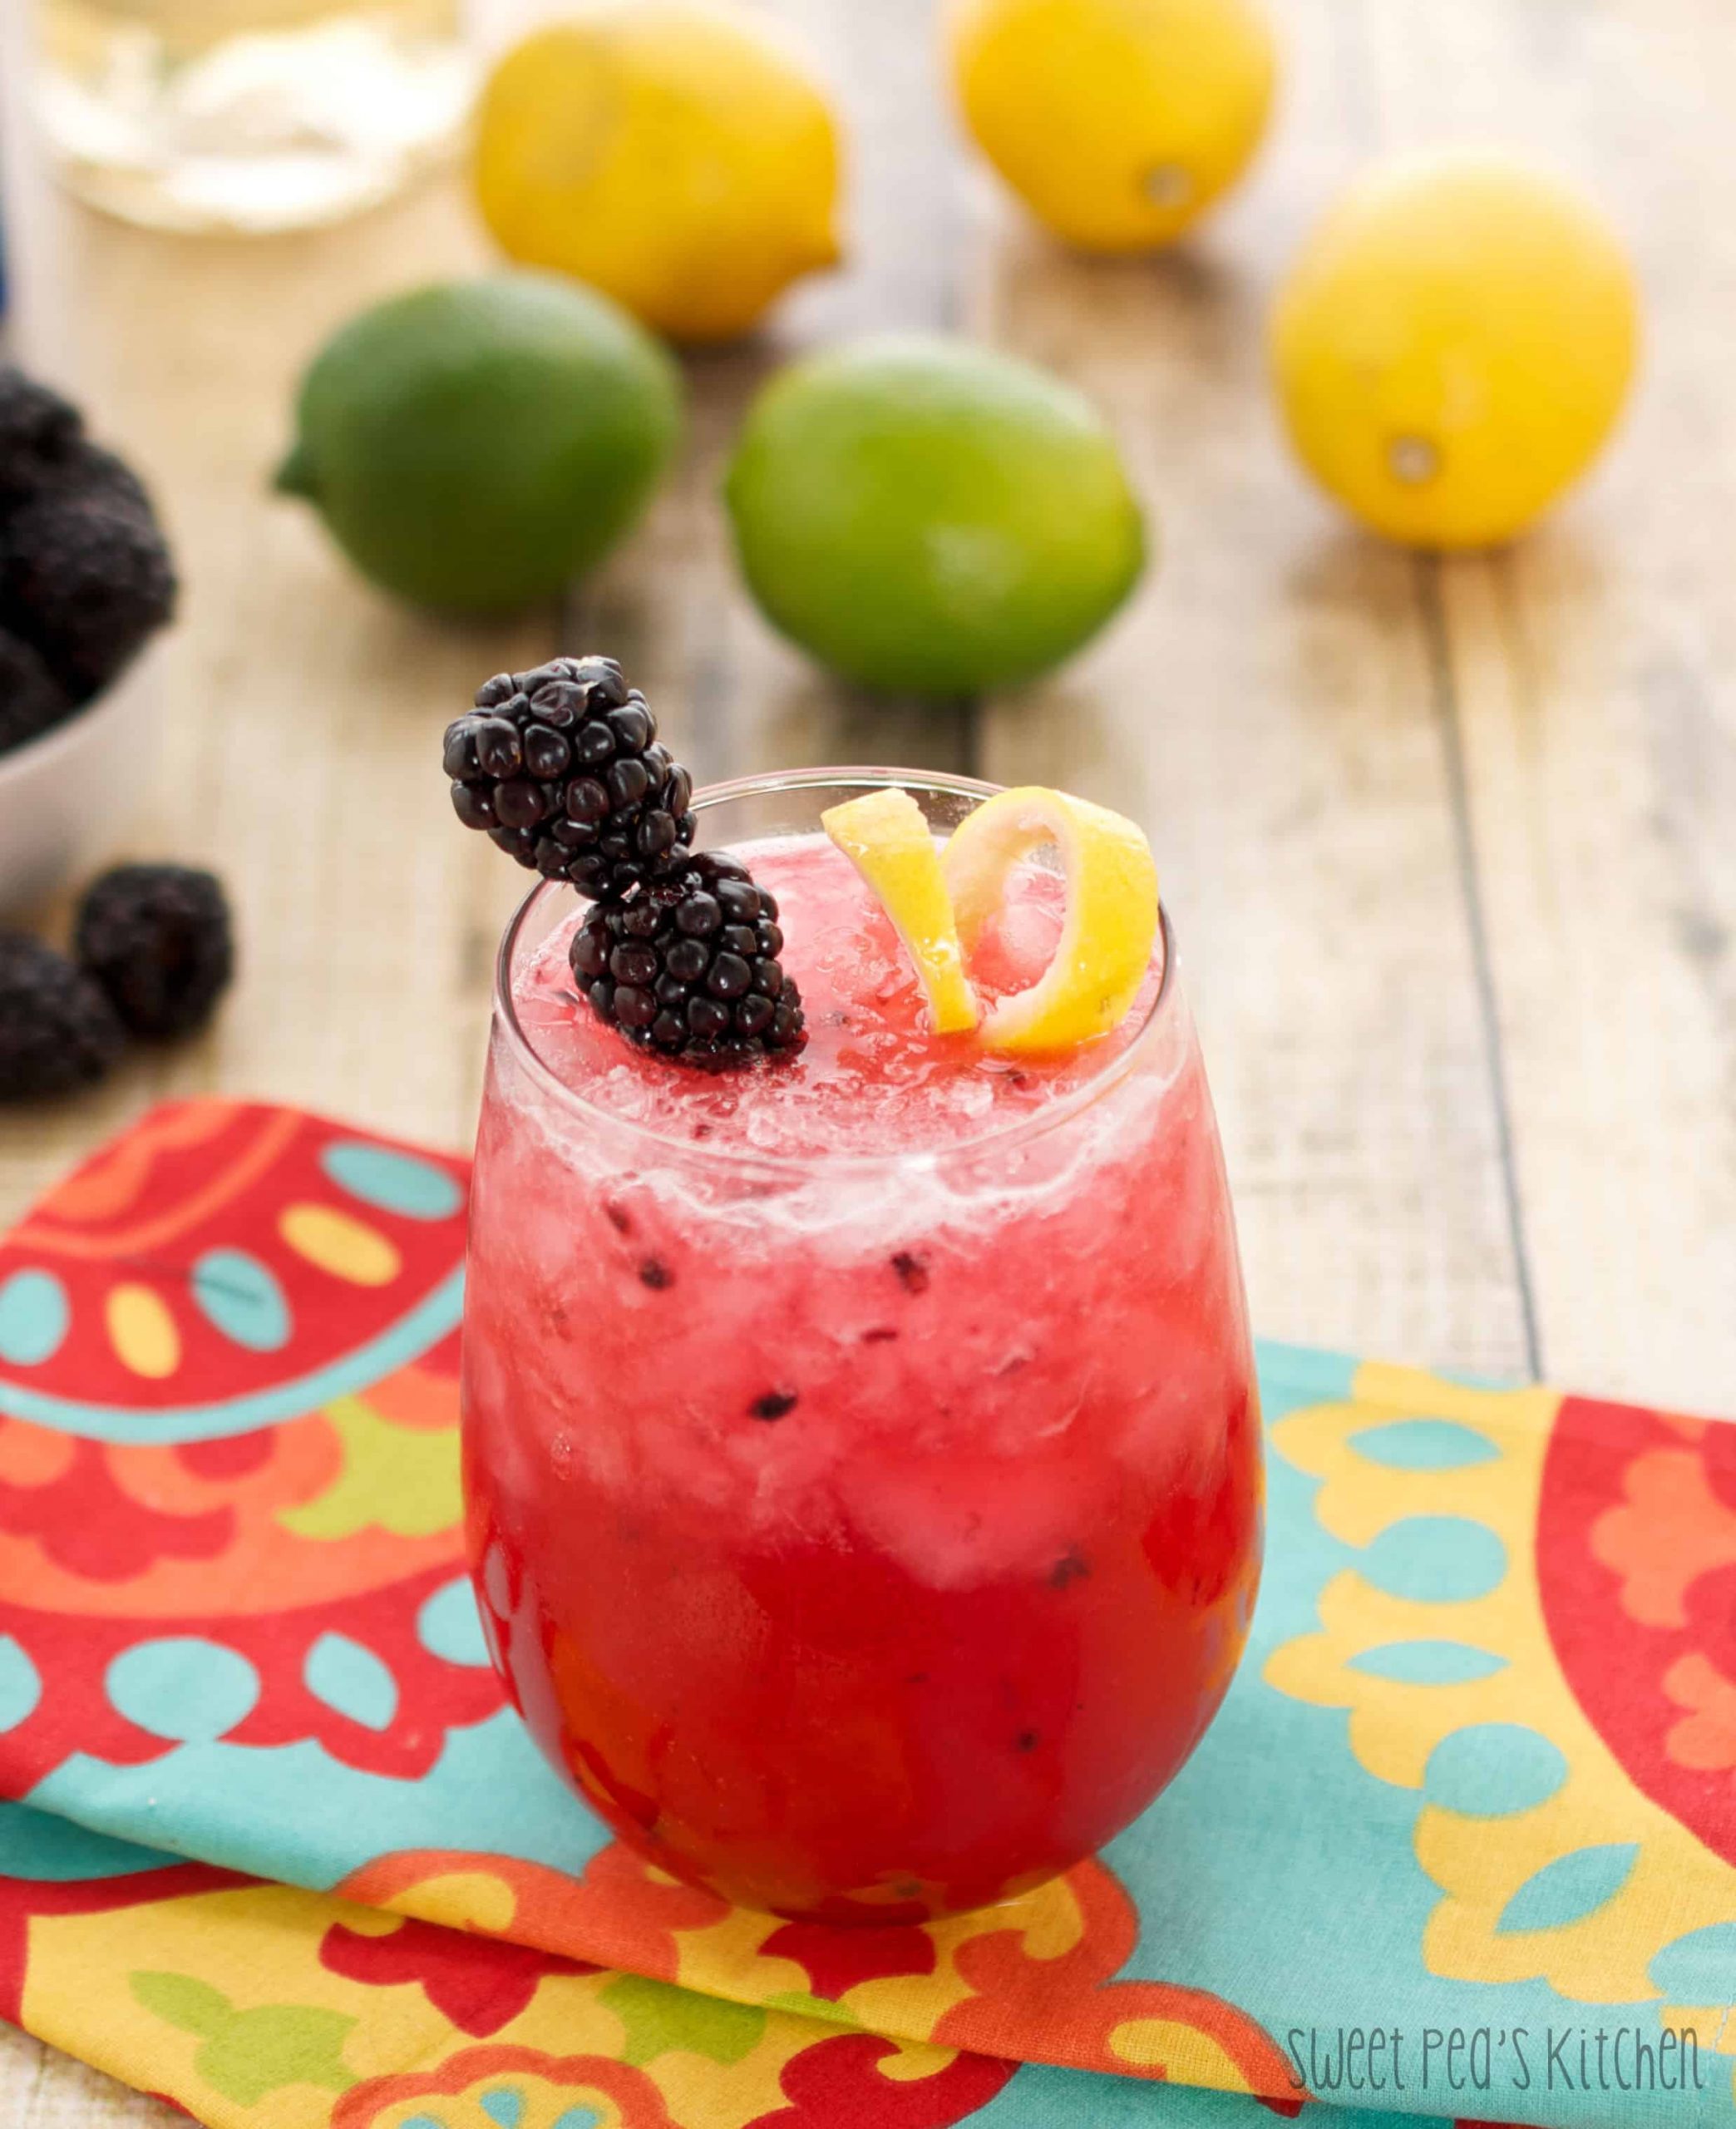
(1021,1131)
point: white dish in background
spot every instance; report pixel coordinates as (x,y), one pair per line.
(66,798)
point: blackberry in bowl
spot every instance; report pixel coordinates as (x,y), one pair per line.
(86,581)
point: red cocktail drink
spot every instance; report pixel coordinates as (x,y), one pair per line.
(861,1453)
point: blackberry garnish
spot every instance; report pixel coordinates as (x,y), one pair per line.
(157,940)
(32,699)
(57,1031)
(687,965)
(562,767)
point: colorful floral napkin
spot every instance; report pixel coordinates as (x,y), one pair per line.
(1460,1843)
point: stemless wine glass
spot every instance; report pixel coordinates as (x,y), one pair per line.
(961,1618)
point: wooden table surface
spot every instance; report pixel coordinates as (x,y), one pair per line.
(1451,847)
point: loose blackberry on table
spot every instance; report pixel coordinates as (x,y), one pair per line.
(157,938)
(562,767)
(57,1031)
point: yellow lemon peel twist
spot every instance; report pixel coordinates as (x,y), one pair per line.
(939,903)
(885,836)
(1111,921)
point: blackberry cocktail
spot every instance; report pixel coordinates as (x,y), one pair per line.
(860,1440)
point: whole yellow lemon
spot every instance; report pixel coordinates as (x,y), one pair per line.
(677,154)
(1117,121)
(1453,347)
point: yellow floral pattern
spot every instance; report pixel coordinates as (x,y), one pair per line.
(1569,1825)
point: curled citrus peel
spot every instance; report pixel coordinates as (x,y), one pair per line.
(885,837)
(939,903)
(1108,929)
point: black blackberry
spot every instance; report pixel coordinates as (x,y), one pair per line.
(689,965)
(561,766)
(32,699)
(36,427)
(84,577)
(57,1031)
(85,472)
(157,939)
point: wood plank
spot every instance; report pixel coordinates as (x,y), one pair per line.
(40,2088)
(1593,677)
(1267,707)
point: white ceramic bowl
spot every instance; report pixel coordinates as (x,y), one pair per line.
(66,798)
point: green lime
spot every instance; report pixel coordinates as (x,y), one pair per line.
(930,517)
(475,445)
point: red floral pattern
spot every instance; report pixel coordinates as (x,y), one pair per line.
(87,1523)
(839,2080)
(1636,1568)
(105,1545)
(837,1960)
(478,1990)
(74,1714)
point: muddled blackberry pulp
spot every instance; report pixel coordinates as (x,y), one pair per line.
(562,767)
